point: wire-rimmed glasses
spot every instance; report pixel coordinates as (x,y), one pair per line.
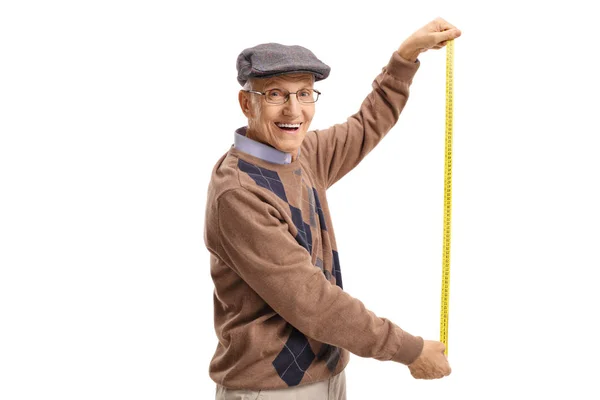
(281,96)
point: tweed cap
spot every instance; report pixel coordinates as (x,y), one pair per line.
(272,59)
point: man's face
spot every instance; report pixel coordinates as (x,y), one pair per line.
(266,121)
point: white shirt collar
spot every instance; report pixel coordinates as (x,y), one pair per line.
(258,149)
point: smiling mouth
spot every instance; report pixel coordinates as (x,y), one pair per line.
(291,128)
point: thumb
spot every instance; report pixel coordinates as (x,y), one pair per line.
(441,347)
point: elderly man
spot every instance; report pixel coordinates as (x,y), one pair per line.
(284,324)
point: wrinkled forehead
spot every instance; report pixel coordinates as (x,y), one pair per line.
(304,80)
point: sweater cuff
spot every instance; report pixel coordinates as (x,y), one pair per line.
(402,69)
(410,348)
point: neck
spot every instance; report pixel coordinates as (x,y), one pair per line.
(251,134)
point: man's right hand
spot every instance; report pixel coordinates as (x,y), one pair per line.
(432,363)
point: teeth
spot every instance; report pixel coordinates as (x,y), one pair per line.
(288,125)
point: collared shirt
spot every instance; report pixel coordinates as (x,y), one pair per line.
(258,149)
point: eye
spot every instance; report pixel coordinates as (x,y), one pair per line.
(305,93)
(275,94)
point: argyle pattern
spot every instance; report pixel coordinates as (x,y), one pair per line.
(294,359)
(296,355)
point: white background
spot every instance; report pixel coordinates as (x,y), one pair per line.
(113,113)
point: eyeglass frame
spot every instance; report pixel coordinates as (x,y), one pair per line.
(287,97)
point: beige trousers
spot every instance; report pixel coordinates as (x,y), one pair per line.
(332,389)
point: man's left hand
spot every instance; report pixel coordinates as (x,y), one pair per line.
(434,35)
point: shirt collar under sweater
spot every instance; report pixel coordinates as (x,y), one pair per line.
(258,149)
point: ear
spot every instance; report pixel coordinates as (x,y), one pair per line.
(245,104)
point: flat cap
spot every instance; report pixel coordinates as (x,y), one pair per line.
(272,59)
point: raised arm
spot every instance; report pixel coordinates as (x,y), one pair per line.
(335,151)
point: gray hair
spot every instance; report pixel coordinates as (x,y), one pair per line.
(248,85)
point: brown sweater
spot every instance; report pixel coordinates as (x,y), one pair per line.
(281,316)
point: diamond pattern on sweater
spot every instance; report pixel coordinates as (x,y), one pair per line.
(337,272)
(304,236)
(319,264)
(294,359)
(320,211)
(296,356)
(264,178)
(330,354)
(270,180)
(311,203)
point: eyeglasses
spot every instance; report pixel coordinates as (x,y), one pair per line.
(281,96)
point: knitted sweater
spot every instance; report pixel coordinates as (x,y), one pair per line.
(281,315)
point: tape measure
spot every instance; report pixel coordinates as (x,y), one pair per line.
(447,195)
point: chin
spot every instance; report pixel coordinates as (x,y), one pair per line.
(288,150)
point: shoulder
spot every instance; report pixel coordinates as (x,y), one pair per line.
(224,176)
(234,177)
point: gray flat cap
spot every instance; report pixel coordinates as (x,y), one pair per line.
(272,59)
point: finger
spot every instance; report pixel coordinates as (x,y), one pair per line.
(444,371)
(440,45)
(441,347)
(442,23)
(444,36)
(417,375)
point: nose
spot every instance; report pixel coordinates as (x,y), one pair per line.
(292,106)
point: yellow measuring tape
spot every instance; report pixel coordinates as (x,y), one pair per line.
(447,195)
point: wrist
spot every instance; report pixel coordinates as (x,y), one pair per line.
(408,53)
(410,348)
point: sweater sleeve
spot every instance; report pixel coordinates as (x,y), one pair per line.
(255,240)
(335,151)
